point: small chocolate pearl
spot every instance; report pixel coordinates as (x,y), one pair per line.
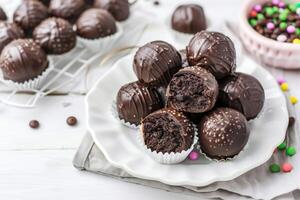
(156,3)
(72,121)
(34,124)
(298,23)
(291,121)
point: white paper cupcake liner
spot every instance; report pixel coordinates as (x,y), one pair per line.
(115,114)
(31,84)
(168,158)
(56,57)
(96,45)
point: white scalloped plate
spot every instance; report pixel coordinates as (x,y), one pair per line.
(121,149)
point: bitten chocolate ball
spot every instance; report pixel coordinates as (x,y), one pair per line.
(192,90)
(67,9)
(167,131)
(135,101)
(118,8)
(243,93)
(189,19)
(3,16)
(223,133)
(184,61)
(22,60)
(213,51)
(9,32)
(96,23)
(156,62)
(55,35)
(30,14)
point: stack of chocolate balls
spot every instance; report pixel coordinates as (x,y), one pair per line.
(42,27)
(197,87)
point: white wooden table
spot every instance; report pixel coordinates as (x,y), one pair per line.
(37,164)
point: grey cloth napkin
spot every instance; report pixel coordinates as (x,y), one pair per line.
(258,183)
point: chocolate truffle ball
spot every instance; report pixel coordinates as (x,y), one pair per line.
(9,32)
(243,93)
(192,90)
(135,101)
(213,51)
(55,35)
(156,62)
(184,61)
(22,60)
(167,131)
(3,16)
(96,23)
(189,18)
(30,14)
(118,8)
(223,133)
(67,9)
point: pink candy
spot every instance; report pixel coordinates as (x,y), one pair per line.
(291,29)
(281,5)
(257,8)
(280,81)
(287,167)
(270,26)
(275,2)
(194,155)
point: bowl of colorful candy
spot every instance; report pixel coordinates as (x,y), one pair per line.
(270,30)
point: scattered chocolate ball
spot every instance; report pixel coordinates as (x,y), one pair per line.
(156,62)
(96,23)
(34,124)
(135,101)
(156,3)
(22,60)
(71,121)
(291,121)
(184,61)
(67,9)
(55,35)
(243,93)
(189,18)
(9,32)
(118,8)
(192,90)
(30,14)
(167,131)
(213,51)
(3,16)
(223,133)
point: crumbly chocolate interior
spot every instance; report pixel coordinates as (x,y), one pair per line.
(188,91)
(162,134)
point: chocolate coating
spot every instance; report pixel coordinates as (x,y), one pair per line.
(184,61)
(118,8)
(9,32)
(223,133)
(189,18)
(96,23)
(45,2)
(192,90)
(243,93)
(135,101)
(22,60)
(67,9)
(55,35)
(3,15)
(30,14)
(213,51)
(167,130)
(156,62)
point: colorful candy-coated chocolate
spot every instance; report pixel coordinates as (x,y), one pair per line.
(281,5)
(291,29)
(283,25)
(274,168)
(280,80)
(293,100)
(275,2)
(270,26)
(253,22)
(253,13)
(194,155)
(298,11)
(281,38)
(257,8)
(283,16)
(286,167)
(269,11)
(284,87)
(296,41)
(290,151)
(292,7)
(282,146)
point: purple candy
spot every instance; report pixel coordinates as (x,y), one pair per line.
(257,8)
(291,29)
(270,26)
(194,155)
(281,4)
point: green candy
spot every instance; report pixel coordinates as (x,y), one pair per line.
(283,25)
(283,17)
(297,4)
(274,168)
(275,9)
(269,11)
(290,151)
(253,22)
(282,146)
(292,7)
(297,31)
(260,16)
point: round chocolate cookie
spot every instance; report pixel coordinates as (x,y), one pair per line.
(22,60)
(67,9)
(243,93)
(30,14)
(9,32)
(189,19)
(96,23)
(184,61)
(223,133)
(213,51)
(167,131)
(55,35)
(156,62)
(135,101)
(192,90)
(3,16)
(118,8)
